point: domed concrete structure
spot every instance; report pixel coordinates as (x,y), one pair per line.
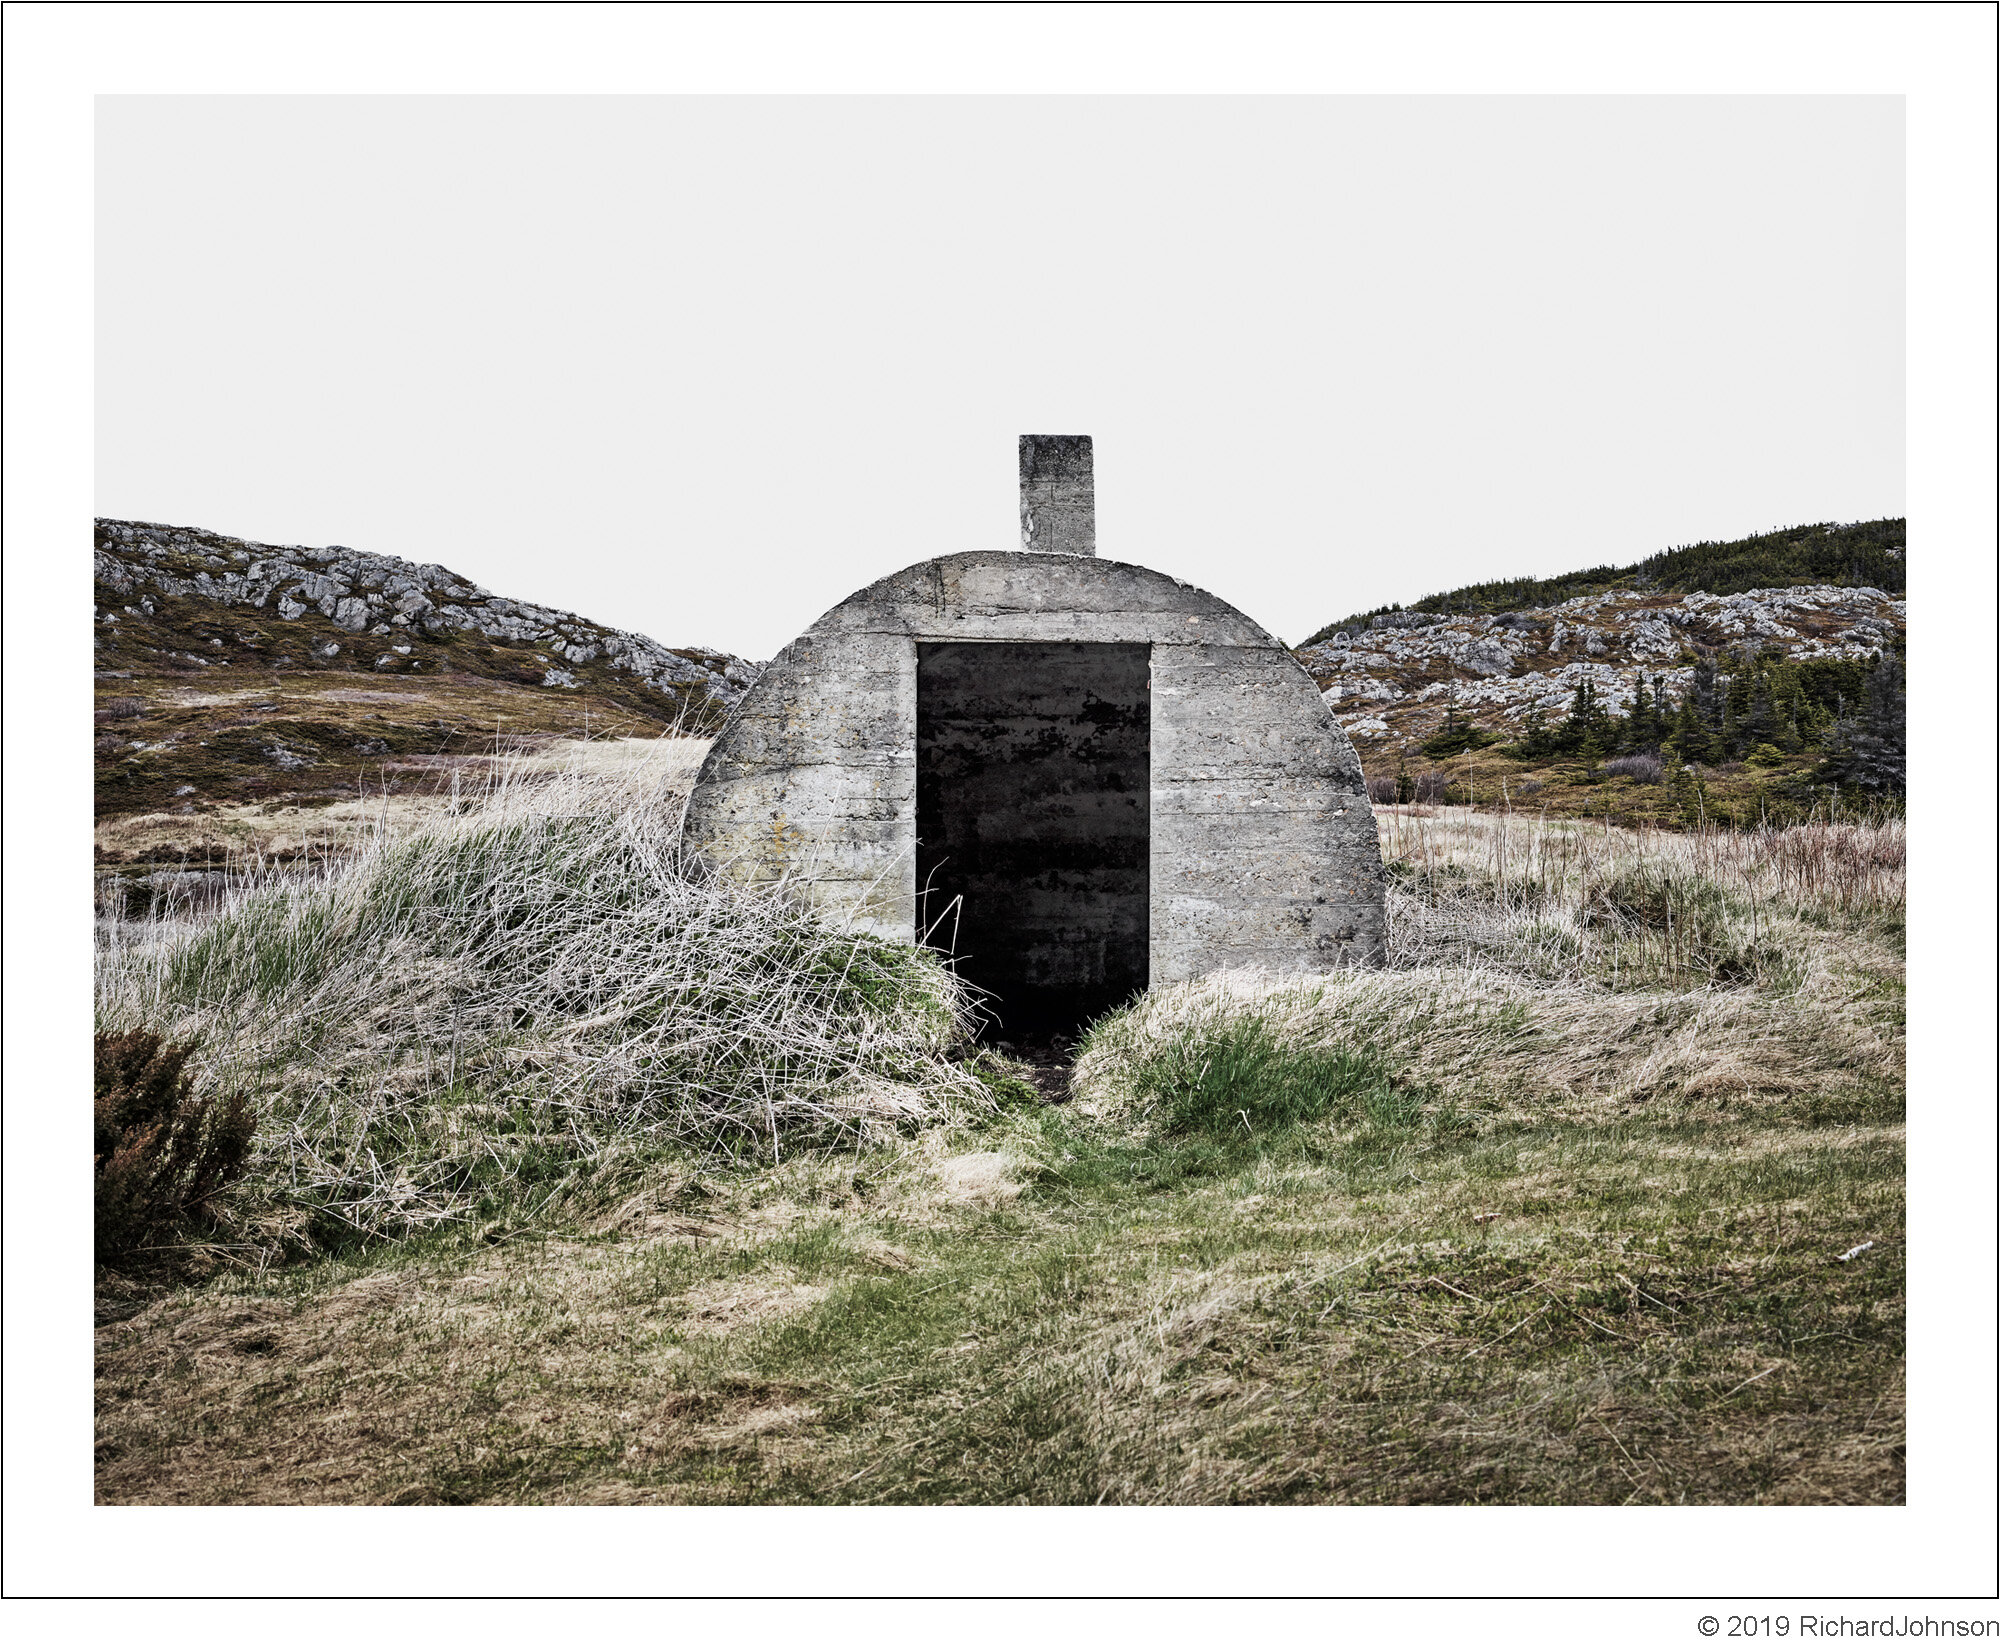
(1075,776)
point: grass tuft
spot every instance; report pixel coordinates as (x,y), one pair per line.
(1235,1074)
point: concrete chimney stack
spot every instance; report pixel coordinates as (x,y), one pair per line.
(1058,500)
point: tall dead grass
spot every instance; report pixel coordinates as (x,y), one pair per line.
(1633,908)
(1848,868)
(500,998)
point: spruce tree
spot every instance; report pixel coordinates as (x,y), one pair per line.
(1592,748)
(1735,710)
(1642,725)
(1867,747)
(1575,725)
(1760,719)
(1692,740)
(1791,735)
(1705,693)
(1534,742)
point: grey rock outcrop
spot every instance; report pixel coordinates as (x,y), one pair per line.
(137,562)
(1400,675)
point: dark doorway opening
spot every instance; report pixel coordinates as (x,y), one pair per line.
(1034,824)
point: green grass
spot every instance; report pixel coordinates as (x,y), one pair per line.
(1647,1311)
(1239,1075)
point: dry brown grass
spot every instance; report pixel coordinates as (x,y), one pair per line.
(1499,1044)
(1520,984)
(247,840)
(1840,868)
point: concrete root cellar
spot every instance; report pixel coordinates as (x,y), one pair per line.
(1073,776)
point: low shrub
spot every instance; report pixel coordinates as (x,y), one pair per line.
(162,1151)
(1641,768)
(1429,788)
(1382,790)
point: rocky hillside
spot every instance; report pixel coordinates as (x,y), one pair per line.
(1391,683)
(337,607)
(1858,554)
(232,672)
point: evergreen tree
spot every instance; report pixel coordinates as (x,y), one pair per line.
(1535,741)
(1593,746)
(1791,735)
(1691,795)
(1456,735)
(1705,694)
(1735,710)
(1692,741)
(1832,683)
(1643,730)
(1867,748)
(1569,733)
(1633,732)
(1760,719)
(1588,721)
(1815,722)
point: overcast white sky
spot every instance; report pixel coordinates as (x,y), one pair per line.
(700,367)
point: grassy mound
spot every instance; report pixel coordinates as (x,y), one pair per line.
(1549,970)
(500,1004)
(1445,1040)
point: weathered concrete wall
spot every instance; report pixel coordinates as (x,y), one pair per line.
(1263,846)
(1058,494)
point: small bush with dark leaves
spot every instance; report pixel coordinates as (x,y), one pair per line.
(163,1151)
